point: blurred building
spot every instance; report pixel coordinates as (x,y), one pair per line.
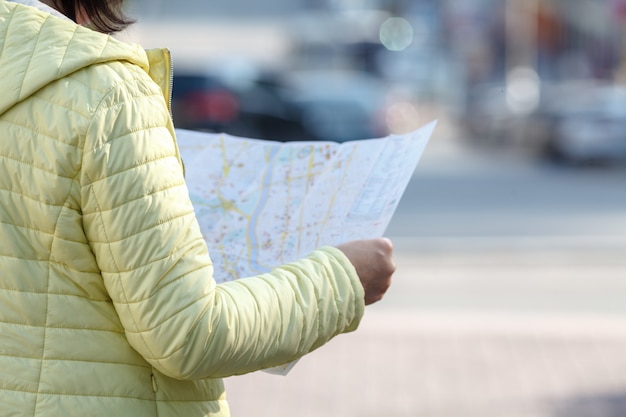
(486,38)
(501,68)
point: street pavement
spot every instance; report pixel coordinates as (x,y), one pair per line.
(502,333)
(506,325)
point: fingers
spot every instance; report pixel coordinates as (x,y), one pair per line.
(373,261)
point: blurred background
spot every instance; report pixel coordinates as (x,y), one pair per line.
(510,295)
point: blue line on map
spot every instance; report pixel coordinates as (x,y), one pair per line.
(267,181)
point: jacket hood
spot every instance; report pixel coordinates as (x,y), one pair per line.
(37,48)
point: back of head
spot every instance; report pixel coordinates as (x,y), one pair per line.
(104,16)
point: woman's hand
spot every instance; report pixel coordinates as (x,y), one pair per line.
(373,261)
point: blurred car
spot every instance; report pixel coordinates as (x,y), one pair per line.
(253,108)
(491,120)
(574,121)
(266,111)
(202,102)
(338,105)
(588,123)
(293,106)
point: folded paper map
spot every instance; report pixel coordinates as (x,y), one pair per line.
(262,203)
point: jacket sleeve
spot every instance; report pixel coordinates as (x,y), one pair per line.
(155,264)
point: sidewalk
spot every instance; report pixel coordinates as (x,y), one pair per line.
(484,333)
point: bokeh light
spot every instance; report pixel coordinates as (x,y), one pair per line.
(396,34)
(402,117)
(523,89)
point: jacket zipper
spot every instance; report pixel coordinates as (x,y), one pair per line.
(170,80)
(168,89)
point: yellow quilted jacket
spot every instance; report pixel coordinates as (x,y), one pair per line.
(107,302)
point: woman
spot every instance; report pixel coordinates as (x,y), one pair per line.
(107,302)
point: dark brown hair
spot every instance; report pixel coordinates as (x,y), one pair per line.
(105,15)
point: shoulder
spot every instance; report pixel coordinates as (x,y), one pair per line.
(119,97)
(113,83)
(102,101)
